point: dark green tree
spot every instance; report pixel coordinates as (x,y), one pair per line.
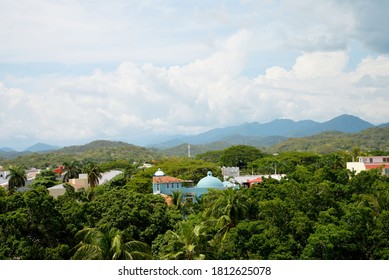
(224,209)
(70,170)
(240,156)
(17,178)
(94,173)
(32,227)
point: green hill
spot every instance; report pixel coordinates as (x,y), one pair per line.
(371,139)
(98,151)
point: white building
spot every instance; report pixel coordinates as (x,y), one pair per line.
(369,162)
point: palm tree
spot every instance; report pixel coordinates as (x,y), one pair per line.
(225,209)
(186,243)
(333,161)
(109,245)
(94,174)
(70,170)
(177,199)
(17,178)
(129,171)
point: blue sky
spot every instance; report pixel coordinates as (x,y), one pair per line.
(74,71)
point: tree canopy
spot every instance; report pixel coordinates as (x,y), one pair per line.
(318,211)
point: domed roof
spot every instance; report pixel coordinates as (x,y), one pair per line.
(210,182)
(159,173)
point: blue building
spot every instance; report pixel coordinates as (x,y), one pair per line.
(163,184)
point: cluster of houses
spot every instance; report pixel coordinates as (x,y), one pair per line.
(167,185)
(164,184)
(30,174)
(78,183)
(81,182)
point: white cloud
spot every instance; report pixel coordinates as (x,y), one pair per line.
(145,99)
(319,64)
(169,33)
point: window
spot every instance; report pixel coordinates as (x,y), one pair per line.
(158,188)
(385,159)
(167,185)
(371,160)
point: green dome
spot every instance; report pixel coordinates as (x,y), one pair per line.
(210,182)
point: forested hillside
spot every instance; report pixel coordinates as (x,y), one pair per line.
(376,138)
(97,151)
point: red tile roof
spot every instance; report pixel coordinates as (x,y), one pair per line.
(253,181)
(166,179)
(376,165)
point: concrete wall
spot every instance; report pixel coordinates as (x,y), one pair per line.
(355,166)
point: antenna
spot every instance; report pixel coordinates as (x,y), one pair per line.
(189,151)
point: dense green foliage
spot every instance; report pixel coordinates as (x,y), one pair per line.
(240,156)
(47,178)
(319,211)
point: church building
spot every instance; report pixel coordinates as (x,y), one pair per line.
(163,184)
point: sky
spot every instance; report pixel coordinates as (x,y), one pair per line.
(139,71)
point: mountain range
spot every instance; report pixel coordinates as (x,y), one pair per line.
(254,133)
(266,134)
(374,139)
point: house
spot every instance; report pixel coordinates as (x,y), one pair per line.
(58,170)
(77,183)
(30,174)
(254,181)
(369,162)
(249,180)
(163,184)
(230,172)
(3,178)
(82,182)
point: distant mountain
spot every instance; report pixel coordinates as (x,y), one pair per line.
(279,129)
(343,123)
(41,147)
(7,149)
(384,125)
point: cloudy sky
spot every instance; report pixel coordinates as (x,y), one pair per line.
(75,71)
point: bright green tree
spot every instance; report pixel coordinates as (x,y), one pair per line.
(109,245)
(47,178)
(187,242)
